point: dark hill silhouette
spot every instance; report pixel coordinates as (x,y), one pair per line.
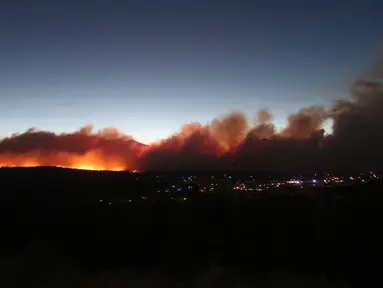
(332,233)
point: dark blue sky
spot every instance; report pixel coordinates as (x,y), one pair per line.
(148,68)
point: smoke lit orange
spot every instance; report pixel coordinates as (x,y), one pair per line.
(92,160)
(229,142)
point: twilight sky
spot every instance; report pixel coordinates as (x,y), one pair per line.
(148,68)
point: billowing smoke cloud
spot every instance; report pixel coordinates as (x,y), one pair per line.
(305,122)
(107,149)
(228,142)
(358,123)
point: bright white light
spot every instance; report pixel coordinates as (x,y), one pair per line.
(327,126)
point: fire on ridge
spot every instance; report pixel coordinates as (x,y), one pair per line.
(89,161)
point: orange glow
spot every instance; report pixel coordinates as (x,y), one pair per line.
(92,160)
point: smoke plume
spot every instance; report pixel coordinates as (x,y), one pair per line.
(228,142)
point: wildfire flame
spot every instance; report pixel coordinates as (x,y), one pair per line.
(92,160)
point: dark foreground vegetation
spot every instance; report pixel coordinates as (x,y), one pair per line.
(55,233)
